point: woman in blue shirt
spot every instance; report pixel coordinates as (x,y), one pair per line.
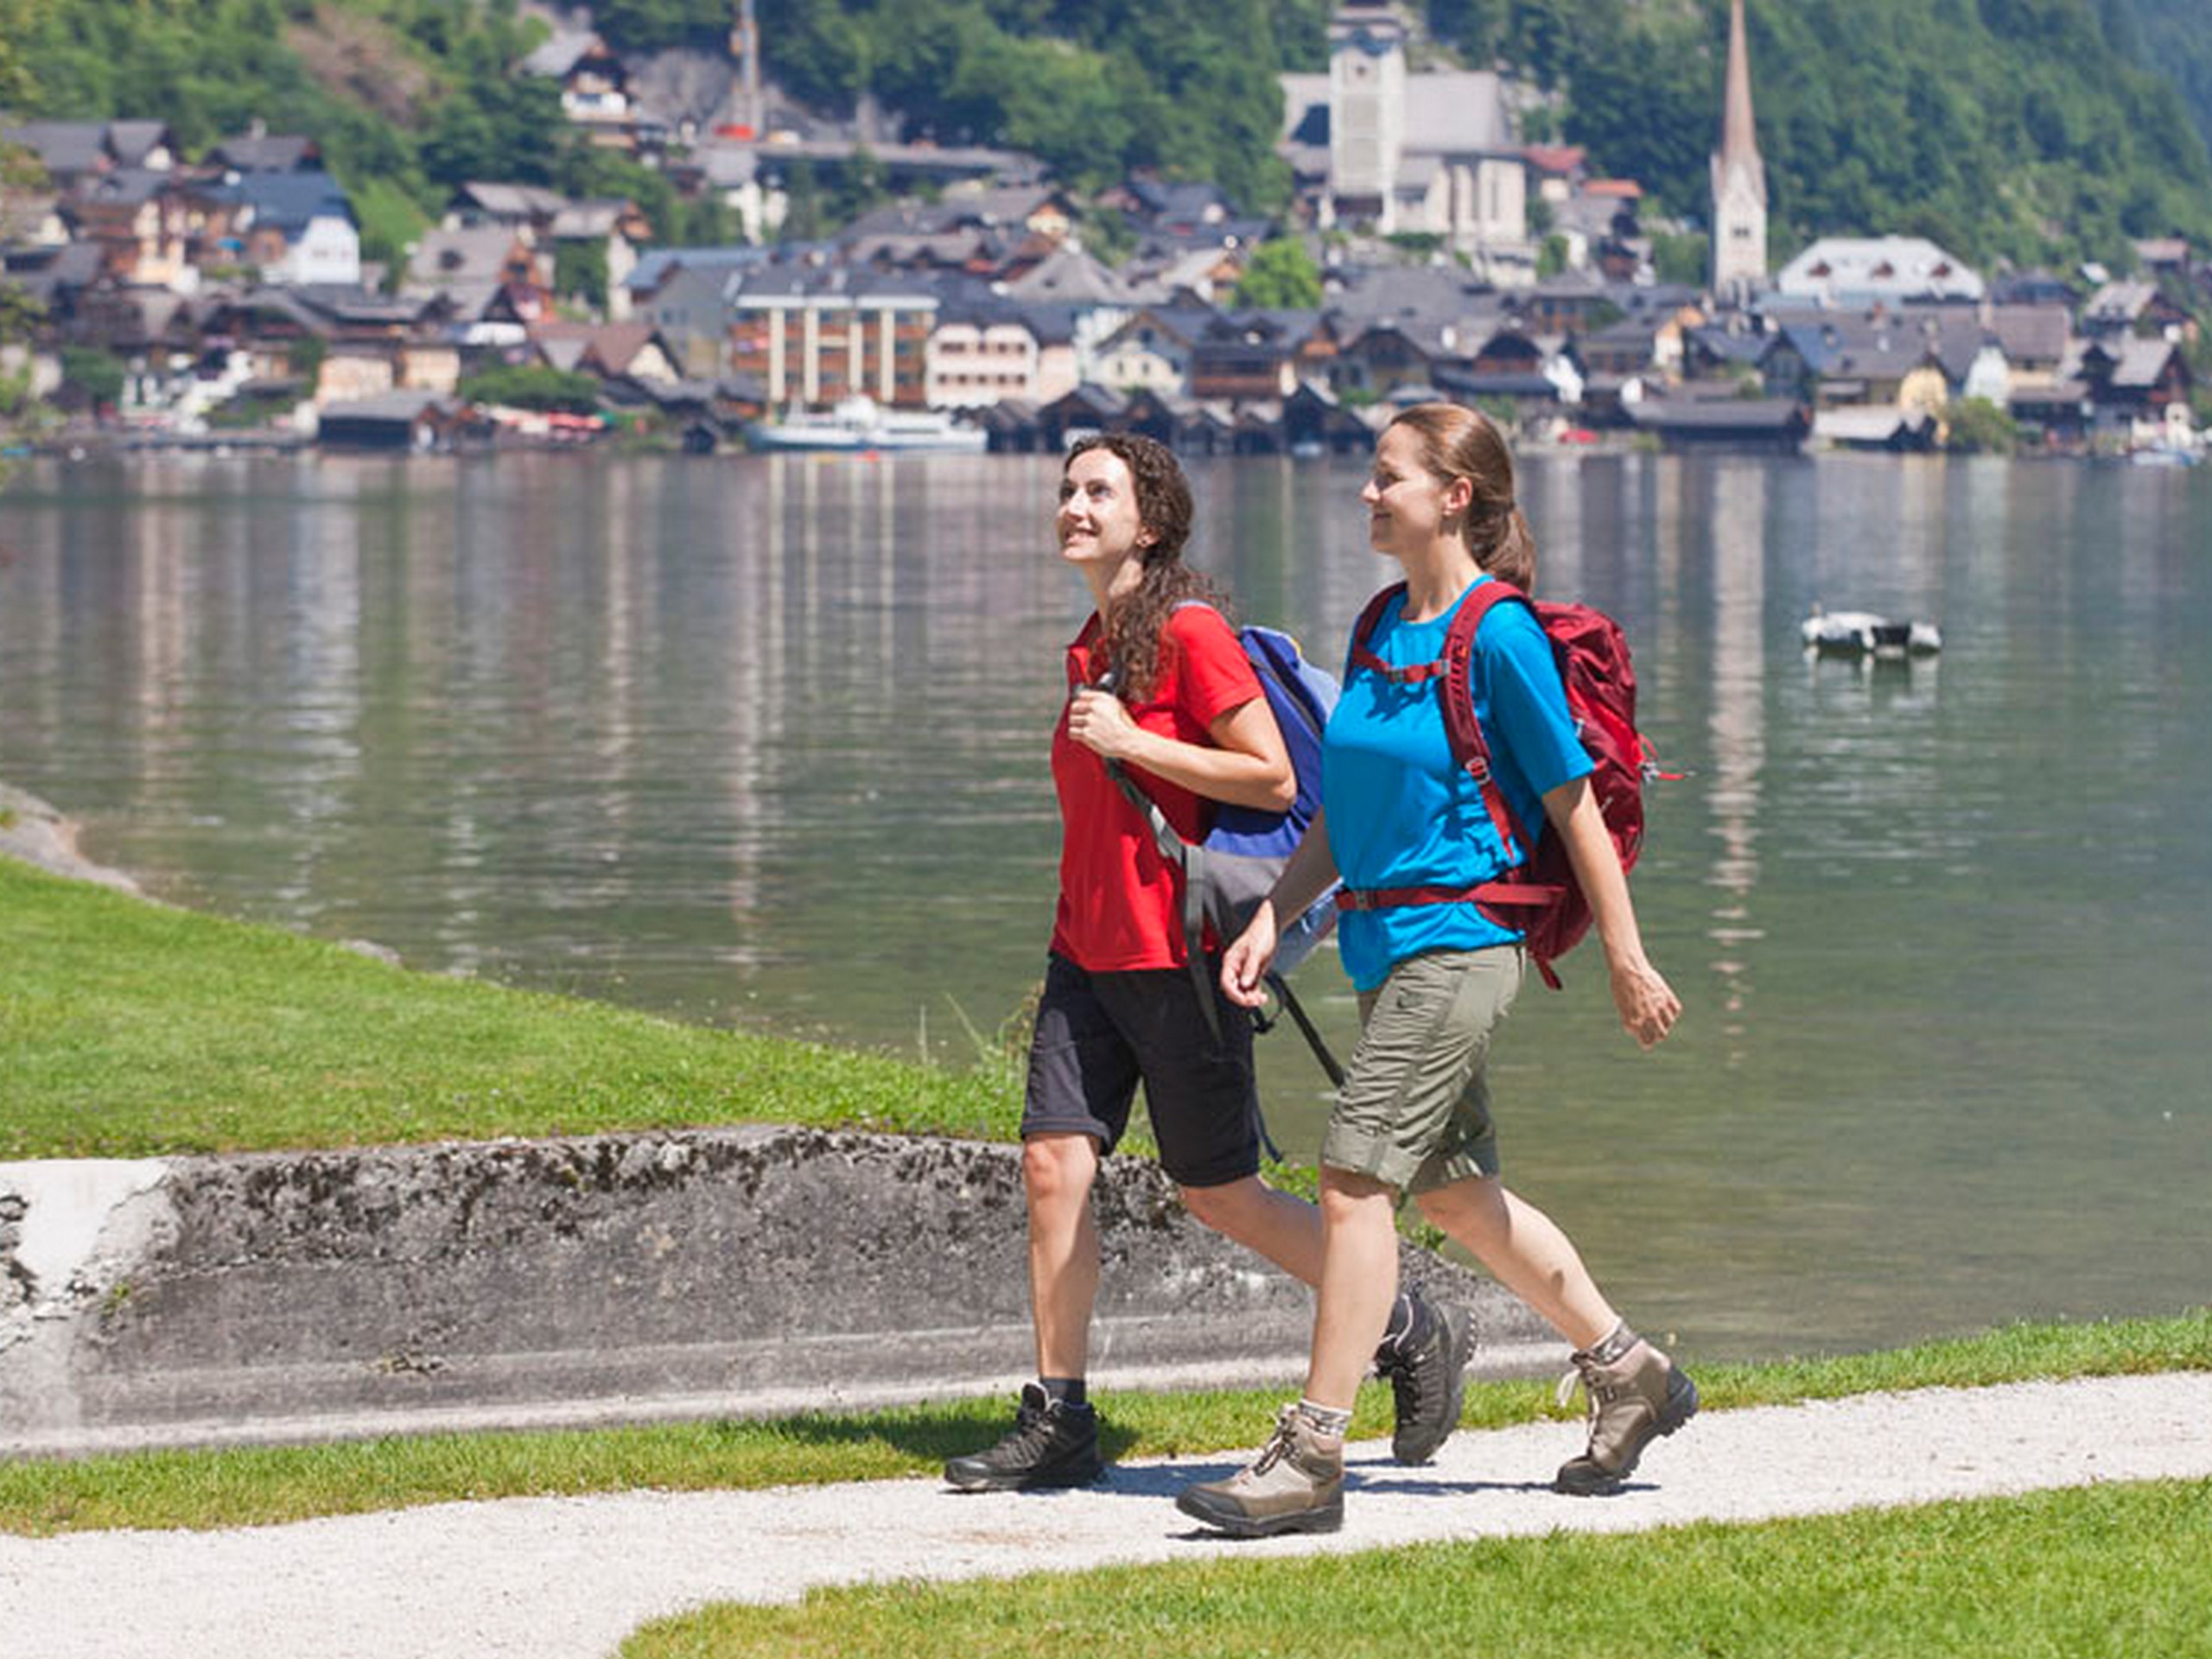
(1435,979)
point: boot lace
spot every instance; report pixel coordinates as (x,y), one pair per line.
(1034,1432)
(1279,1444)
(1598,1390)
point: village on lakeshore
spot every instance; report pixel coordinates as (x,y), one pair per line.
(224,301)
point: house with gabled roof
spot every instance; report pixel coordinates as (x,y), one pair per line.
(594,86)
(1623,348)
(1314,420)
(1384,357)
(260,151)
(1250,356)
(1769,425)
(986,350)
(1154,349)
(1574,301)
(612,350)
(74,152)
(2135,307)
(2034,336)
(142,224)
(1854,272)
(295,227)
(1879,359)
(490,275)
(680,292)
(1085,408)
(2135,381)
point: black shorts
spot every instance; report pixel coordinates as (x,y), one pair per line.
(1099,1036)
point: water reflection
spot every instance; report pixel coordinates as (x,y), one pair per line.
(1737,732)
(762,741)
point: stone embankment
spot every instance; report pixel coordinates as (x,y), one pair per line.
(621,1277)
(616,1278)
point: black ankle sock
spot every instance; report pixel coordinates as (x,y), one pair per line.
(1069,1390)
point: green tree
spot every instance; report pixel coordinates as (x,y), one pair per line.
(17,20)
(1684,260)
(94,374)
(1281,275)
(1975,426)
(535,385)
(580,273)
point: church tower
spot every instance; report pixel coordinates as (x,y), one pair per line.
(1367,112)
(1739,180)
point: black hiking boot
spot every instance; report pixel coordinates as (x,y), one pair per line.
(1054,1444)
(1429,1384)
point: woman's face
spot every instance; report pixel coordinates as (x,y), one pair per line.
(1098,521)
(1407,504)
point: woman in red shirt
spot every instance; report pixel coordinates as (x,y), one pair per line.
(1159,682)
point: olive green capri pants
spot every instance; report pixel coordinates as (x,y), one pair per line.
(1414,1110)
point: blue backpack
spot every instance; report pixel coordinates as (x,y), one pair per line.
(1226,874)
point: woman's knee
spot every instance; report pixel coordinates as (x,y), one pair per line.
(1220,1207)
(1346,1194)
(1467,1209)
(1058,1168)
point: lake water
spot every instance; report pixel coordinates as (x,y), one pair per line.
(760,742)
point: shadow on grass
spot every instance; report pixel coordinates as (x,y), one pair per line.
(929,1434)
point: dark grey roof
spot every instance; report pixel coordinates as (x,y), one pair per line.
(267,153)
(288,201)
(1747,415)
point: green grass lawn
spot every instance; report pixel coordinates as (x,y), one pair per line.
(133,1030)
(2105,1572)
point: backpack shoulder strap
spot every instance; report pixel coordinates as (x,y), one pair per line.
(1461,729)
(1364,630)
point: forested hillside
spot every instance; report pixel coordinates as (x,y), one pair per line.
(2025,129)
(2032,129)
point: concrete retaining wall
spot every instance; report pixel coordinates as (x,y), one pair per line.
(615,1278)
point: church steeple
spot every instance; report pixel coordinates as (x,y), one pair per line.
(1739,178)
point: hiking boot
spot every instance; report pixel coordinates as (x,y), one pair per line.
(1635,1396)
(1429,1384)
(1296,1484)
(1054,1444)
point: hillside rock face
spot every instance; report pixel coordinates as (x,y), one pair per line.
(614,1277)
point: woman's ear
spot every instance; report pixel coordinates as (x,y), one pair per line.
(1460,495)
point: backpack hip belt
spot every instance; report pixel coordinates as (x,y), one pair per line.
(1505,893)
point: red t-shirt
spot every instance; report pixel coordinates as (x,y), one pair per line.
(1121,903)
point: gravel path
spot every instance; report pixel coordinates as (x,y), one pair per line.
(570,1578)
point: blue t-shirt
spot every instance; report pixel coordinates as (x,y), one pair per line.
(1401,814)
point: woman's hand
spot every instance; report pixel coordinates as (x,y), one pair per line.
(1244,965)
(1100,722)
(1648,1005)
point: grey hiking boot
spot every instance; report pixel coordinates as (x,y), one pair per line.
(1637,1394)
(1429,1384)
(1052,1443)
(1296,1484)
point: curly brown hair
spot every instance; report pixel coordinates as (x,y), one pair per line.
(1460,442)
(1135,634)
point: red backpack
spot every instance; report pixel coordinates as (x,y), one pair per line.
(1538,897)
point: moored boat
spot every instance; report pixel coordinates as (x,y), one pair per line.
(1862,633)
(861,424)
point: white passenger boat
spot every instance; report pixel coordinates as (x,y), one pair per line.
(859,424)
